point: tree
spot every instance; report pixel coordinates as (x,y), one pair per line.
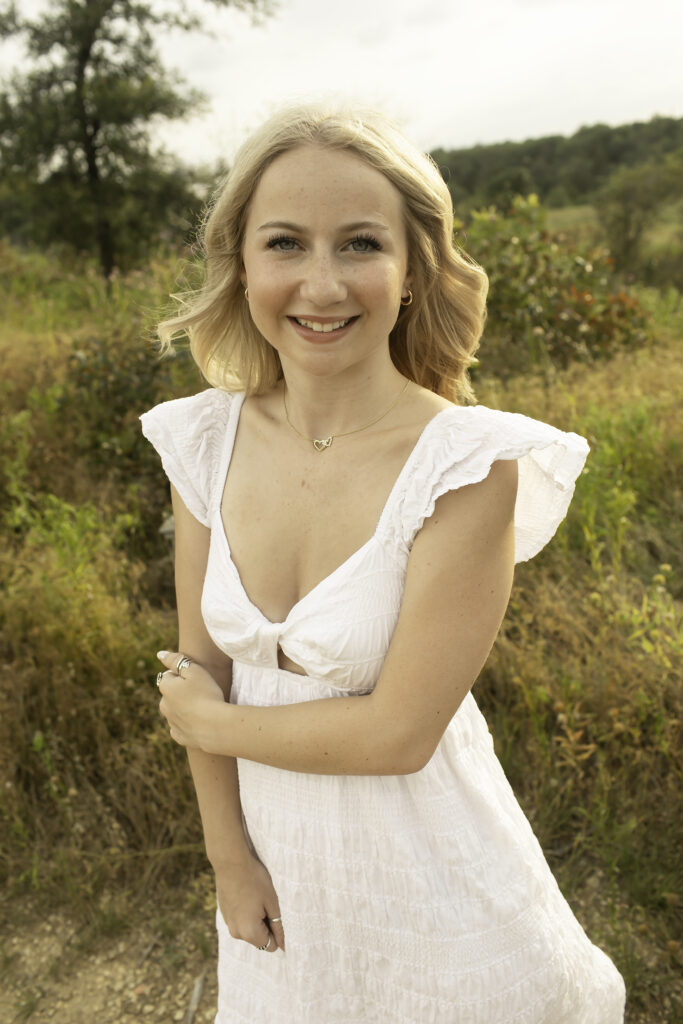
(561,170)
(75,150)
(631,200)
(502,187)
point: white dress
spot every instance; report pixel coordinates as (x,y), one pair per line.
(405,899)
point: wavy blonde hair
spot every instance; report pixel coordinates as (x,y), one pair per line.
(434,339)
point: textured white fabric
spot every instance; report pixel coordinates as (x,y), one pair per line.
(405,899)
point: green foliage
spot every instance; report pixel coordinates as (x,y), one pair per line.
(631,477)
(81,502)
(583,679)
(109,379)
(664,308)
(631,202)
(549,301)
(75,151)
(50,293)
(563,170)
(504,186)
(576,224)
(78,706)
(581,690)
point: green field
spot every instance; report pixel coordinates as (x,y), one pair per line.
(582,691)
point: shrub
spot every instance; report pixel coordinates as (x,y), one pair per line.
(111,378)
(580,690)
(549,303)
(631,201)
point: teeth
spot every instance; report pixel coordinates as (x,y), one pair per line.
(322,328)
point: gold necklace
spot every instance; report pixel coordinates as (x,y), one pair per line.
(321,443)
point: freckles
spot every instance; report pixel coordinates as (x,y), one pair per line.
(268,284)
(383,283)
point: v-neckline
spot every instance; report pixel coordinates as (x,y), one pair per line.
(225,463)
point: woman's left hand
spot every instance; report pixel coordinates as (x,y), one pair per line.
(188,701)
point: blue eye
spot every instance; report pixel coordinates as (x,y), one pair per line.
(365,243)
(281,242)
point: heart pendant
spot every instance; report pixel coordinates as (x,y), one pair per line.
(321,444)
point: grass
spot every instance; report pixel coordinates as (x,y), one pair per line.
(667,230)
(585,676)
(580,222)
(660,251)
(581,690)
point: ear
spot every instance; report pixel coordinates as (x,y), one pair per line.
(407,283)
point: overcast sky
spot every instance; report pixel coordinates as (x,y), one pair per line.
(454,73)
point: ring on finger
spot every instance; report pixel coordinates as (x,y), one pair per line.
(160,676)
(274,920)
(184,662)
(267,945)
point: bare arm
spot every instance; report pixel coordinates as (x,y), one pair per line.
(457,588)
(214,774)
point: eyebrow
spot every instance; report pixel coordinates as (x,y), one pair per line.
(358,225)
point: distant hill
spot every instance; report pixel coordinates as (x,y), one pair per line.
(562,170)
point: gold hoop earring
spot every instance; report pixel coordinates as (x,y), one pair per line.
(408,299)
(246,294)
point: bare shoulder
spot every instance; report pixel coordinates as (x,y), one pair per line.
(423,405)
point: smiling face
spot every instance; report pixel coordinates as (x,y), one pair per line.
(325,259)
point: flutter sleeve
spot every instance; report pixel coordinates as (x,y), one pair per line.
(463,445)
(188,434)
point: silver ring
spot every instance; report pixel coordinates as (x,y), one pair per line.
(160,676)
(267,945)
(183,663)
(274,920)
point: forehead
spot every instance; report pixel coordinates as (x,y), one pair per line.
(310,181)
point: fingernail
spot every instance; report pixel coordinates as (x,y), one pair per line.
(163,654)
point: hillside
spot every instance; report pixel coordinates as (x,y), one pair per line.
(561,170)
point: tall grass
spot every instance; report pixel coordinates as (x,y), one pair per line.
(92,790)
(582,689)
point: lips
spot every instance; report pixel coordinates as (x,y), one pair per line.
(323,328)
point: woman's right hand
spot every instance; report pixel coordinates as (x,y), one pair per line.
(248,903)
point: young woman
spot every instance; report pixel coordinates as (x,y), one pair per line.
(346,531)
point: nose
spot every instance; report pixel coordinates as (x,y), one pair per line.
(322,283)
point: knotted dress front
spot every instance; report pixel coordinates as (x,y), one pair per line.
(405,899)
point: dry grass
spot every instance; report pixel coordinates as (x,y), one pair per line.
(581,691)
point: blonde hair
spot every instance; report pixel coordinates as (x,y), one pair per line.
(434,339)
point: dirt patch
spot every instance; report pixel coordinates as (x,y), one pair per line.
(57,971)
(157,962)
